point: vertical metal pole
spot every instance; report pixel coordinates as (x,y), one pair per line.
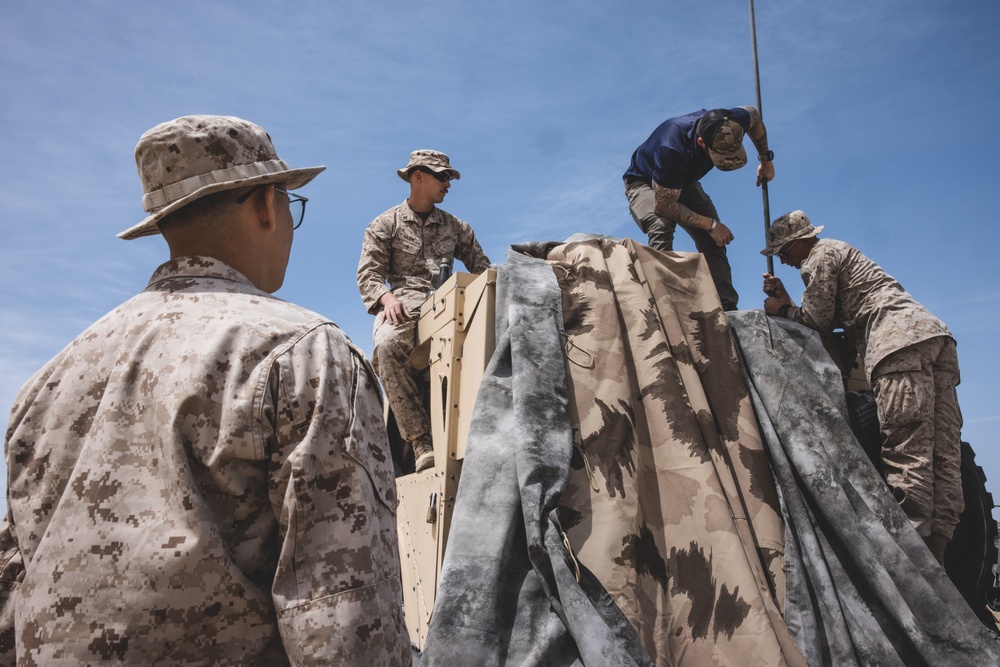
(760,109)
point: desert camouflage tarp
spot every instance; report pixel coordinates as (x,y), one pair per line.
(508,592)
(617,506)
(670,501)
(662,488)
(862,588)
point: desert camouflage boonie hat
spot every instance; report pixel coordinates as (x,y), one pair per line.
(723,137)
(433,160)
(189,157)
(789,227)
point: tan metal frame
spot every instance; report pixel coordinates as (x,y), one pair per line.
(456,335)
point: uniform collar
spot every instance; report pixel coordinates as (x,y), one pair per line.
(197,266)
(411,216)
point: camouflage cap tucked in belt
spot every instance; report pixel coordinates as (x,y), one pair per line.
(723,137)
(187,158)
(789,227)
(433,160)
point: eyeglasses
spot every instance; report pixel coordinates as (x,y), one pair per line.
(292,200)
(442,176)
(783,253)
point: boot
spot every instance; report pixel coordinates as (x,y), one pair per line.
(937,543)
(423,453)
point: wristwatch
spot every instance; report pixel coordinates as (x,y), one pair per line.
(715,223)
(783,311)
(766,157)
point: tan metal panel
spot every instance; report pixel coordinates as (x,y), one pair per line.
(456,335)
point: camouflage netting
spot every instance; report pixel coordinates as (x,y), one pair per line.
(614,420)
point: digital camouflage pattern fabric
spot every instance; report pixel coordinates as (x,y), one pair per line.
(914,391)
(201,478)
(189,157)
(920,418)
(862,588)
(436,161)
(787,228)
(407,253)
(844,288)
(393,344)
(401,250)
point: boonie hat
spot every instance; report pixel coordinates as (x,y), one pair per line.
(723,136)
(434,160)
(789,227)
(189,157)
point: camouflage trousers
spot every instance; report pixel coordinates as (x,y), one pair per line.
(391,361)
(642,204)
(920,418)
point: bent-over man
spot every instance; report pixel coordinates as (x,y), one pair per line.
(663,189)
(910,360)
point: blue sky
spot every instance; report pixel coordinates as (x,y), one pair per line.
(879,115)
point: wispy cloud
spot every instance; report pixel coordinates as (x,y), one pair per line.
(540,104)
(980,420)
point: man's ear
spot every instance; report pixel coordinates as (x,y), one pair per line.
(264,208)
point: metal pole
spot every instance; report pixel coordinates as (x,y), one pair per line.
(760,110)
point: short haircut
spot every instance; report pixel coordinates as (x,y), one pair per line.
(218,206)
(710,123)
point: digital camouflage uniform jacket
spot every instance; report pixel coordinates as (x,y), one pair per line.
(845,288)
(407,253)
(201,478)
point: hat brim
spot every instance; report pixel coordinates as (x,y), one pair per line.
(293,179)
(772,250)
(404,173)
(729,161)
